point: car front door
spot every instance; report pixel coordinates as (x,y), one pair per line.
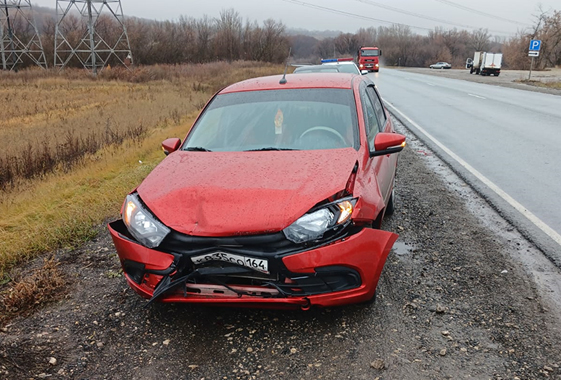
(382,168)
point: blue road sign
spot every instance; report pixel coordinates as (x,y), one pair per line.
(535,45)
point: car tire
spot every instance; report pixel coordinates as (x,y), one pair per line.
(390,208)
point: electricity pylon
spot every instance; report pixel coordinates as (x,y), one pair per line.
(20,43)
(102,42)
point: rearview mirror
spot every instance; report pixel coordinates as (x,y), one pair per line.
(364,72)
(387,143)
(171,145)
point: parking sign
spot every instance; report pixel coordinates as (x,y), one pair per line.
(535,45)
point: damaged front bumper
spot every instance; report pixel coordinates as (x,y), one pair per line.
(343,271)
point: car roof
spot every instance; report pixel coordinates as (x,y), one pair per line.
(294,81)
(340,63)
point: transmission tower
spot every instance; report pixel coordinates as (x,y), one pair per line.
(100,43)
(20,44)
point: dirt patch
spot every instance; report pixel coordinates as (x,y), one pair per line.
(508,78)
(452,303)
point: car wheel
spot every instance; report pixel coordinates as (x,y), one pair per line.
(390,208)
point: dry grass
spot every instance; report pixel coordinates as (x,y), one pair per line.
(25,294)
(544,84)
(62,207)
(54,119)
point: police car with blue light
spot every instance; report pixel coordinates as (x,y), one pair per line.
(345,65)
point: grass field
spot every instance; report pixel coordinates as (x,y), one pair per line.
(73,146)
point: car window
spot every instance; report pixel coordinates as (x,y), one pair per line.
(370,118)
(301,119)
(378,108)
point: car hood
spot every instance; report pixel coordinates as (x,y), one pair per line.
(239,193)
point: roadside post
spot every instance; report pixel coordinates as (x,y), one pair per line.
(534,51)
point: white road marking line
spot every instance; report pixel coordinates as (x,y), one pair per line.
(477,96)
(430,84)
(530,216)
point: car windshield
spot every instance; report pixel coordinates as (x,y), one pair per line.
(316,69)
(348,68)
(369,53)
(292,119)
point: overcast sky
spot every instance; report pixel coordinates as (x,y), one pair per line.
(501,18)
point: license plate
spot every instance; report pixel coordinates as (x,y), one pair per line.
(245,261)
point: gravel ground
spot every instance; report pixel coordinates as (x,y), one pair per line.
(452,303)
(507,78)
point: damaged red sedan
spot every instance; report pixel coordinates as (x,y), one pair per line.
(274,199)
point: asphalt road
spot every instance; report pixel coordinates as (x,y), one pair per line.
(510,137)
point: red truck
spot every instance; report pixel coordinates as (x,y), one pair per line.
(368,58)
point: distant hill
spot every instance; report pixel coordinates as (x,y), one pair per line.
(317,34)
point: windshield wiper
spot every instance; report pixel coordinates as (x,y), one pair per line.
(197,149)
(268,148)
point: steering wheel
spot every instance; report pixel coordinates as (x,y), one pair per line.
(326,129)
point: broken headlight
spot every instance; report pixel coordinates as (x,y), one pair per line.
(314,224)
(142,224)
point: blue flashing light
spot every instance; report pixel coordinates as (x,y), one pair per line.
(328,60)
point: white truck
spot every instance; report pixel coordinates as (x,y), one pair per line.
(484,63)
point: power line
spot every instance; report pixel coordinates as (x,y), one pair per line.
(463,7)
(354,15)
(350,14)
(414,14)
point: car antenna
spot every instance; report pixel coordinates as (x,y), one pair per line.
(283,79)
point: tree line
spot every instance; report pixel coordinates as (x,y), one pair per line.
(229,38)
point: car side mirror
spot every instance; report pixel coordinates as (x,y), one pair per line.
(171,145)
(387,143)
(364,72)
(380,52)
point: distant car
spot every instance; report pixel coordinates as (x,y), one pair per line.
(441,65)
(316,69)
(345,65)
(274,199)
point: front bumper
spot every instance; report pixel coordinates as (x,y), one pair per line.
(338,273)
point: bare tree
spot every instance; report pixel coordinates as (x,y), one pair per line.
(325,48)
(479,40)
(346,43)
(204,31)
(227,40)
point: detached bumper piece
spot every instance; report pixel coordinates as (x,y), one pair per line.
(341,271)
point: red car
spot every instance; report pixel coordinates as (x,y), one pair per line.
(274,198)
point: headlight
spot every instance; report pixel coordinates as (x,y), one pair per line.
(313,225)
(142,225)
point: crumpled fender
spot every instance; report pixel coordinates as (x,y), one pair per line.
(366,252)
